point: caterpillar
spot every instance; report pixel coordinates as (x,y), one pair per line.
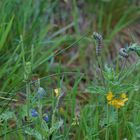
(99,40)
(132,48)
(123,52)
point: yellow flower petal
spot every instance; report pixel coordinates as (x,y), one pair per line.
(113,102)
(117,103)
(123,95)
(109,96)
(120,102)
(124,100)
(57,92)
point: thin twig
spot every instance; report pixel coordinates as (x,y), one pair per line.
(3,98)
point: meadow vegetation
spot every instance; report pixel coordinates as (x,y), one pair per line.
(69,70)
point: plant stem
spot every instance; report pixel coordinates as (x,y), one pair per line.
(117,126)
(107,129)
(100,65)
(122,68)
(28,97)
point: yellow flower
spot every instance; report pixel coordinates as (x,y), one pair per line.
(124,100)
(109,96)
(116,102)
(57,92)
(123,95)
(119,103)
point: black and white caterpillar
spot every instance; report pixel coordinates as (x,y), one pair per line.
(99,40)
(124,52)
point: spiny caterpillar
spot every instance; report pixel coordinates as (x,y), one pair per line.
(123,52)
(99,40)
(132,48)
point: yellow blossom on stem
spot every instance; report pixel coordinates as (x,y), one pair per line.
(126,99)
(109,96)
(123,95)
(116,102)
(57,92)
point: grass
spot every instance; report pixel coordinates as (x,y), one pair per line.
(48,45)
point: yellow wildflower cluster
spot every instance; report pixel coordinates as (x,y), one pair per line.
(116,102)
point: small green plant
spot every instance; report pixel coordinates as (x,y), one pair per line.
(114,88)
(42,87)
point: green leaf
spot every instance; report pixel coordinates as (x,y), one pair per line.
(56,126)
(33,132)
(7,115)
(96,90)
(5,34)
